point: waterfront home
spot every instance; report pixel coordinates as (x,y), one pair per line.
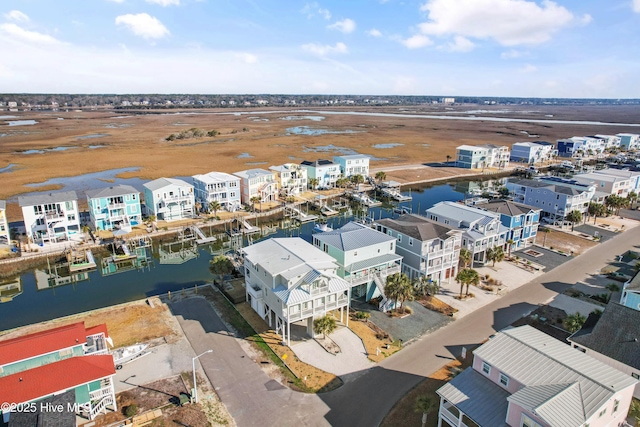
(169,199)
(629,141)
(325,172)
(612,338)
(116,207)
(258,183)
(218,187)
(481,230)
(606,184)
(555,197)
(289,280)
(51,217)
(631,292)
(524,377)
(632,176)
(365,257)
(5,238)
(521,220)
(427,248)
(72,358)
(351,165)
(581,146)
(482,156)
(610,141)
(533,152)
(292,178)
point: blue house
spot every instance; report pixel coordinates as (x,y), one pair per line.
(521,220)
(116,207)
(631,293)
(570,147)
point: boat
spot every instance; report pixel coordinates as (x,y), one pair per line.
(364,199)
(322,227)
(127,354)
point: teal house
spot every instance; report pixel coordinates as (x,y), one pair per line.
(521,220)
(116,207)
(631,293)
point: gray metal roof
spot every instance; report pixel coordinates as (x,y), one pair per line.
(42,199)
(282,255)
(372,262)
(114,191)
(159,183)
(616,334)
(216,177)
(418,227)
(507,207)
(461,212)
(296,294)
(479,398)
(534,358)
(560,405)
(253,173)
(353,236)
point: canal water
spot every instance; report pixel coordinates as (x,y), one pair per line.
(161,273)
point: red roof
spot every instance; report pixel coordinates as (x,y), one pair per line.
(54,377)
(43,342)
(94,330)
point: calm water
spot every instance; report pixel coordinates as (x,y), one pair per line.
(98,291)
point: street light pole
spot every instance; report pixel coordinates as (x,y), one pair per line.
(195,386)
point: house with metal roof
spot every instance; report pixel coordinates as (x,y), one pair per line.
(69,358)
(524,377)
(220,187)
(353,164)
(292,178)
(51,217)
(116,207)
(365,258)
(606,184)
(481,230)
(258,183)
(555,197)
(169,199)
(629,141)
(427,248)
(482,156)
(290,281)
(612,337)
(325,171)
(5,238)
(533,152)
(521,220)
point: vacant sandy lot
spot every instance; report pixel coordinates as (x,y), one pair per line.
(102,140)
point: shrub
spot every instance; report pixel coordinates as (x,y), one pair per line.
(362,315)
(551,247)
(408,310)
(131,410)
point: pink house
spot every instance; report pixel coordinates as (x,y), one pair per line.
(523,377)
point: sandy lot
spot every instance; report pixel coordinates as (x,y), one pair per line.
(103,140)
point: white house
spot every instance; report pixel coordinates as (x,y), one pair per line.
(482,156)
(629,141)
(258,183)
(606,184)
(325,171)
(52,217)
(5,238)
(533,152)
(292,178)
(610,141)
(221,187)
(169,199)
(355,164)
(289,280)
(365,257)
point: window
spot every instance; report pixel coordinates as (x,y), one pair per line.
(528,422)
(391,245)
(636,376)
(616,403)
(400,238)
(71,217)
(601,413)
(355,253)
(486,368)
(504,380)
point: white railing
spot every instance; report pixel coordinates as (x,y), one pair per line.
(95,395)
(449,416)
(116,206)
(176,199)
(100,406)
(322,290)
(358,280)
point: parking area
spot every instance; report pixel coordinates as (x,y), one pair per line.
(591,230)
(549,258)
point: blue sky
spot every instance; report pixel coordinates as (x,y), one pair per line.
(528,48)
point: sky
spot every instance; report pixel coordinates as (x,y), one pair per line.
(520,48)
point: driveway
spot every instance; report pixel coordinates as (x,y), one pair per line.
(592,230)
(251,397)
(549,259)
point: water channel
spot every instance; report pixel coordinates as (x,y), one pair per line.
(39,301)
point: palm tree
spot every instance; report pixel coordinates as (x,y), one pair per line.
(448,158)
(465,257)
(612,287)
(596,210)
(634,410)
(398,289)
(424,405)
(220,266)
(214,206)
(357,180)
(573,217)
(324,325)
(573,322)
(632,197)
(313,183)
(510,243)
(467,276)
(254,200)
(381,176)
(546,231)
(495,254)
(342,182)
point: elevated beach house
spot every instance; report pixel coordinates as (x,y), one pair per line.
(354,164)
(169,199)
(116,207)
(533,152)
(521,220)
(523,377)
(365,257)
(289,280)
(482,156)
(218,187)
(324,171)
(258,183)
(51,217)
(68,359)
(5,238)
(427,248)
(292,178)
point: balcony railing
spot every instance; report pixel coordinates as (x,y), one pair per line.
(303,314)
(176,199)
(366,278)
(116,206)
(53,214)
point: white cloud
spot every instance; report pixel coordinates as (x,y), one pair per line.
(312,9)
(376,33)
(509,22)
(345,26)
(636,6)
(16,15)
(528,68)
(248,58)
(165,3)
(513,54)
(322,50)
(461,44)
(143,25)
(17,33)
(117,1)
(417,41)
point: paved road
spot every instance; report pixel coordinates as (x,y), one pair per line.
(365,400)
